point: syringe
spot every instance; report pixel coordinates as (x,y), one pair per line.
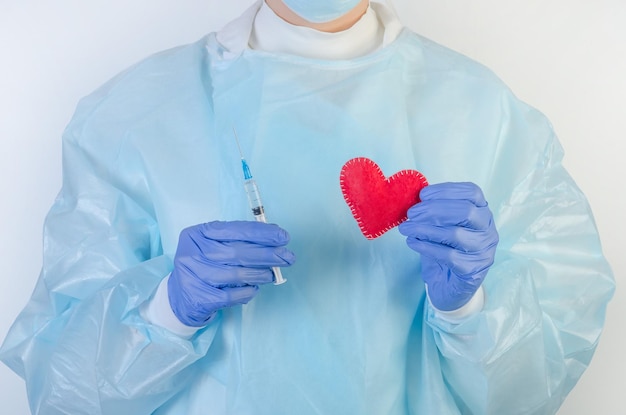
(254,200)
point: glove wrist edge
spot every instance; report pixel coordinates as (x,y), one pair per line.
(157,311)
(473,306)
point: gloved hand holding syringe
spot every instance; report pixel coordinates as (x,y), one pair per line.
(256,205)
(221,264)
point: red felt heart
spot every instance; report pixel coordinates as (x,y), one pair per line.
(378,203)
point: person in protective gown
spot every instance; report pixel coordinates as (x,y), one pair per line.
(155,295)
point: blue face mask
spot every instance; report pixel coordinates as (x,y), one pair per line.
(320,11)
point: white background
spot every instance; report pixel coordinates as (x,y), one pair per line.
(565,57)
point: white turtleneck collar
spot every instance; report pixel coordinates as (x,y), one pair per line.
(259,28)
(272,34)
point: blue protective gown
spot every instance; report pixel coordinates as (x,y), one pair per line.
(152,152)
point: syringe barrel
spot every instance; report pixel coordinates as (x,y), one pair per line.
(254,200)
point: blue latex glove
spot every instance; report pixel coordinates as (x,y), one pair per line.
(453,229)
(221,264)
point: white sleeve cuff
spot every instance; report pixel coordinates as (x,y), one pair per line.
(473,306)
(157,311)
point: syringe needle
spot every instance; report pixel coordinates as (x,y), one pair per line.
(238,145)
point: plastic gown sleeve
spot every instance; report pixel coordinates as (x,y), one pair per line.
(81,334)
(547,291)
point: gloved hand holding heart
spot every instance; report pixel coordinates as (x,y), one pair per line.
(379,203)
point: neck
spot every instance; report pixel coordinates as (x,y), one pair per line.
(342,23)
